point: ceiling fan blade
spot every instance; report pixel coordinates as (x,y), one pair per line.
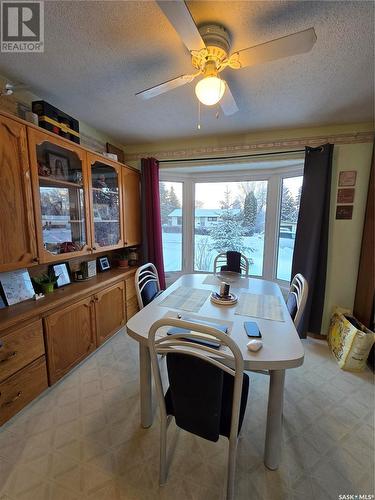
(286,46)
(180,18)
(165,86)
(227,102)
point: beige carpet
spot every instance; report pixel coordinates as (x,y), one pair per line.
(82,439)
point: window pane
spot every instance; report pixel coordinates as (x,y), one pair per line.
(229,216)
(171,220)
(290,198)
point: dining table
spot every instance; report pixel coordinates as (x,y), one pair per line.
(189,298)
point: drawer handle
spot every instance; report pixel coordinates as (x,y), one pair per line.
(11,401)
(10,356)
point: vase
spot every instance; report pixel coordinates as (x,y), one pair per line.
(47,287)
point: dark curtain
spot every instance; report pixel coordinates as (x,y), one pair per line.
(152,249)
(311,243)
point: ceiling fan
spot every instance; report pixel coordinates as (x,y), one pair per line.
(209,46)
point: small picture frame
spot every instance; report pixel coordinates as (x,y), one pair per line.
(347,178)
(62,270)
(16,286)
(103,264)
(344,212)
(345,195)
(59,166)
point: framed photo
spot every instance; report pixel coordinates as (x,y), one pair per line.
(347,178)
(103,264)
(59,166)
(344,212)
(16,286)
(63,272)
(345,195)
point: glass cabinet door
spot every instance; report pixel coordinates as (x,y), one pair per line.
(62,199)
(105,205)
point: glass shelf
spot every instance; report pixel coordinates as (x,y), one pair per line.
(50,181)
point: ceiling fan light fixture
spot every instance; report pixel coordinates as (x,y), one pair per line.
(210,90)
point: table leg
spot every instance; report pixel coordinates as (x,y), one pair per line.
(272,449)
(145,385)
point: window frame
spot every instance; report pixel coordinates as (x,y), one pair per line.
(274,177)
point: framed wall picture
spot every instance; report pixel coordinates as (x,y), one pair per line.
(103,264)
(16,286)
(59,166)
(344,212)
(63,272)
(345,195)
(347,178)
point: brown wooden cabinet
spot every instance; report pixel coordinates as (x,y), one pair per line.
(63,328)
(132,206)
(131,298)
(60,187)
(21,388)
(59,201)
(106,203)
(110,311)
(19,347)
(70,337)
(17,230)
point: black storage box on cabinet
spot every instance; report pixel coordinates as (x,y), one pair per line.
(54,120)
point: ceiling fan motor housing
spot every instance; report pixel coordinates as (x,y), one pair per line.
(216,36)
(217,41)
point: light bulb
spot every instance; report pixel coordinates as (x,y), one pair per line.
(210,90)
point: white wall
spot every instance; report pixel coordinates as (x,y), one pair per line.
(345,236)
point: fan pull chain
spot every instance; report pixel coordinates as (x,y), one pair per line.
(199,115)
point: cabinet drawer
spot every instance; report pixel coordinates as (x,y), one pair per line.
(20,347)
(131,307)
(18,390)
(130,288)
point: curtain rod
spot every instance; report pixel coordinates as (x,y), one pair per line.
(233,157)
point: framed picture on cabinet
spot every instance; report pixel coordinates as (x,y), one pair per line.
(62,270)
(103,264)
(59,166)
(16,286)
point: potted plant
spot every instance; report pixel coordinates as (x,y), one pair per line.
(47,281)
(123,258)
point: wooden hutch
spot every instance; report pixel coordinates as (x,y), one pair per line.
(60,202)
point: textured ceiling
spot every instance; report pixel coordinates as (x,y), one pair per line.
(99,54)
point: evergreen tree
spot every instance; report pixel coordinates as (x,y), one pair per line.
(168,202)
(288,207)
(297,202)
(229,233)
(250,212)
(164,206)
(174,202)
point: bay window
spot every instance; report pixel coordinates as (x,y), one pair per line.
(253,212)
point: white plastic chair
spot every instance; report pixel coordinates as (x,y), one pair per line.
(228,358)
(221,260)
(299,289)
(146,280)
